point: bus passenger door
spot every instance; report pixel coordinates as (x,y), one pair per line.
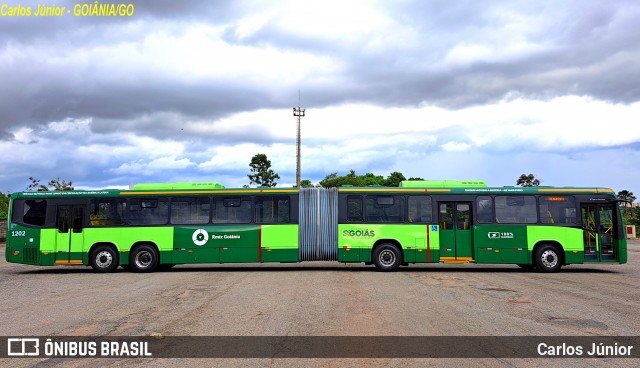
(598,232)
(69,237)
(455,230)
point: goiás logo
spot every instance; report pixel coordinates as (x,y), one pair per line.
(360,233)
(200,237)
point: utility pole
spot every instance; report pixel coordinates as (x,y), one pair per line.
(299,113)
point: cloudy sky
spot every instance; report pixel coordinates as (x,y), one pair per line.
(440,89)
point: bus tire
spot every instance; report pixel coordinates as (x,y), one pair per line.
(143,258)
(387,257)
(104,259)
(548,258)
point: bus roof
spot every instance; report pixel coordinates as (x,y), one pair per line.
(484,190)
(406,187)
(138,192)
(443,184)
(178,185)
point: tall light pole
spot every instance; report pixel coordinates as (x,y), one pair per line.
(299,113)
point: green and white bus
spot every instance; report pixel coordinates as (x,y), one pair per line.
(155,226)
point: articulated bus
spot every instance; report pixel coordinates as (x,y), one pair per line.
(156,226)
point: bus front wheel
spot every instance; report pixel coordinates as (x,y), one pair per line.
(548,258)
(387,257)
(143,258)
(104,259)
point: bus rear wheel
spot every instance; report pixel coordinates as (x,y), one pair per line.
(143,258)
(387,257)
(104,259)
(548,258)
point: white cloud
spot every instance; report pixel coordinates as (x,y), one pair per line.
(199,52)
(562,123)
(156,166)
(455,147)
(229,157)
(333,19)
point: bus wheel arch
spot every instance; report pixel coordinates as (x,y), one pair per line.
(387,255)
(103,257)
(144,257)
(548,256)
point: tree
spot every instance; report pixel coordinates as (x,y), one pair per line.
(4,206)
(306,183)
(58,184)
(53,184)
(528,181)
(261,173)
(368,179)
(329,180)
(394,179)
(634,217)
(413,178)
(628,198)
(35,186)
(333,180)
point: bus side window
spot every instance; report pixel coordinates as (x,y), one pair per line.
(384,208)
(231,210)
(272,209)
(484,210)
(148,211)
(30,212)
(355,210)
(419,209)
(516,209)
(190,210)
(557,210)
(106,212)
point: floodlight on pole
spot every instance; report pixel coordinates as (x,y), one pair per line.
(298,113)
